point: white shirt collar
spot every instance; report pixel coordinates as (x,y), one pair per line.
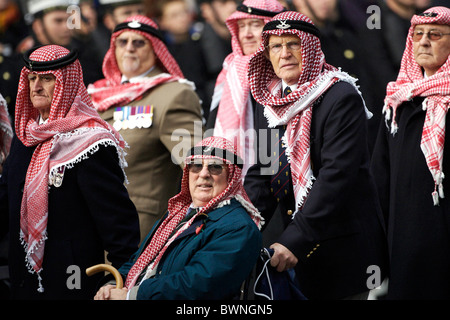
(284,85)
(42,121)
(135,79)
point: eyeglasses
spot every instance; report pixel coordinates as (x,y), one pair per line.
(432,35)
(136,43)
(291,46)
(213,168)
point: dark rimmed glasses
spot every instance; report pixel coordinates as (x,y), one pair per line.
(136,43)
(213,168)
(433,35)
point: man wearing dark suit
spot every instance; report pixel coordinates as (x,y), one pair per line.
(319,169)
(62,186)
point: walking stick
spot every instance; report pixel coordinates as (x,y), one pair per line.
(106,267)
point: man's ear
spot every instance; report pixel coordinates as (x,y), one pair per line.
(38,29)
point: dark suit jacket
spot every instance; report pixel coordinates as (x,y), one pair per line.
(339,231)
(90,213)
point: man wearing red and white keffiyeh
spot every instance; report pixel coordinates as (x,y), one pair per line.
(431,82)
(410,159)
(53,152)
(325,182)
(203,255)
(231,108)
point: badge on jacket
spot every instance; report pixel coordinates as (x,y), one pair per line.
(131,117)
(56,177)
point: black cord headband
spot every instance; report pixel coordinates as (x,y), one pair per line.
(136,25)
(292,24)
(256,11)
(33,65)
(217,152)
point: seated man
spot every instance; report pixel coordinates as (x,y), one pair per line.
(207,244)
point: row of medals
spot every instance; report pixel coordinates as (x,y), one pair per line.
(131,117)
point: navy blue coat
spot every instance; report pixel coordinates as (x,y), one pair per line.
(209,265)
(90,213)
(339,232)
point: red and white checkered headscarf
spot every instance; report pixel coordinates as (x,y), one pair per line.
(231,94)
(294,110)
(179,205)
(411,83)
(109,92)
(73,131)
(6,132)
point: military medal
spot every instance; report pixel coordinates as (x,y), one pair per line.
(117,117)
(148,116)
(131,117)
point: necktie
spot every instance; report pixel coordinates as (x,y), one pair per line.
(280,182)
(286,91)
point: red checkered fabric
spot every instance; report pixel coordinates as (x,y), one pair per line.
(234,119)
(294,110)
(6,132)
(109,92)
(435,89)
(73,131)
(179,204)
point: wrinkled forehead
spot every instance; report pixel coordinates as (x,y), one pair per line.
(207,160)
(131,35)
(286,37)
(432,26)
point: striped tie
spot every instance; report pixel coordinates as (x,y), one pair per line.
(280,182)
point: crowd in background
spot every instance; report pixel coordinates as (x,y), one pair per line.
(365,41)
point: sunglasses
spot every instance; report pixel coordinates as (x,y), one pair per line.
(213,168)
(432,35)
(136,43)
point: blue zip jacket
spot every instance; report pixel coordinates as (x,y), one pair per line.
(209,265)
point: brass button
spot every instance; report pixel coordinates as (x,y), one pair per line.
(289,212)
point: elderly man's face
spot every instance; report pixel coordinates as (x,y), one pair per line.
(431,54)
(134,54)
(250,34)
(42,87)
(285,54)
(204,182)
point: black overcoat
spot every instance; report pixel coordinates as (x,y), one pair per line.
(418,231)
(90,213)
(338,234)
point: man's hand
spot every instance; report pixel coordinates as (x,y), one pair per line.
(282,258)
(110,292)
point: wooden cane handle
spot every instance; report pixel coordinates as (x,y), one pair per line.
(106,267)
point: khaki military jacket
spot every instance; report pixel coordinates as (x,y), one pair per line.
(157,149)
